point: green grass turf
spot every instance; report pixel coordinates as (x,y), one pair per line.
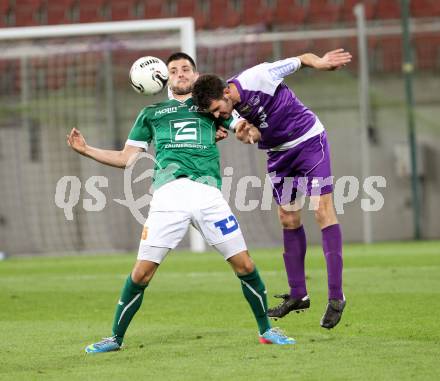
(194,323)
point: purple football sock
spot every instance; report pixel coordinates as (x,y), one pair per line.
(295,245)
(332,246)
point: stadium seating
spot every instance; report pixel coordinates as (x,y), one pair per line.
(389,54)
(323,12)
(209,14)
(94,11)
(4,5)
(213,14)
(155,9)
(197,9)
(389,9)
(62,12)
(28,12)
(427,51)
(290,14)
(256,12)
(425,8)
(127,10)
(4,11)
(222,14)
(347,6)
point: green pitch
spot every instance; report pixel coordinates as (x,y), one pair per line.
(194,323)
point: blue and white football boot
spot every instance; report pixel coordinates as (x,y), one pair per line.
(107,344)
(276,336)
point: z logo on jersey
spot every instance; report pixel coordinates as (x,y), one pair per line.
(185,130)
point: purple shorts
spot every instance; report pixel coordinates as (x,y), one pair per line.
(302,170)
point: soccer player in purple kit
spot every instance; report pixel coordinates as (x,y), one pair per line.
(298,162)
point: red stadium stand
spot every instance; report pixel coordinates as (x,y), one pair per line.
(347,14)
(252,13)
(191,8)
(125,10)
(61,12)
(323,12)
(4,10)
(208,14)
(389,53)
(154,9)
(221,15)
(425,8)
(389,9)
(26,12)
(290,14)
(93,11)
(186,8)
(233,16)
(427,51)
(4,6)
(202,19)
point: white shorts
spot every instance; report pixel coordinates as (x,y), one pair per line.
(181,202)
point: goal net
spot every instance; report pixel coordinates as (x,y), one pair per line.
(52,79)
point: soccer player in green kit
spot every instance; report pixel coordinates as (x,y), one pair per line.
(187,156)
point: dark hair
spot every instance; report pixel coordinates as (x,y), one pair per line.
(181,56)
(207,88)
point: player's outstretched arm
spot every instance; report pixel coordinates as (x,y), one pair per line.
(119,159)
(335,59)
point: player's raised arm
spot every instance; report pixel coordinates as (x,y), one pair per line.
(332,60)
(119,159)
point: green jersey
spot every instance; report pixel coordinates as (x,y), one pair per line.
(184,140)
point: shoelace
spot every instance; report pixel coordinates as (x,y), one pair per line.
(106,340)
(278,331)
(282,296)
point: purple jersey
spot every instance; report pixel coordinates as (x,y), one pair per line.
(271,106)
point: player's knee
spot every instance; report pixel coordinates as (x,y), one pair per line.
(320,216)
(247,267)
(242,263)
(289,220)
(140,277)
(142,274)
(325,216)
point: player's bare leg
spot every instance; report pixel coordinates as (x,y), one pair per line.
(332,246)
(143,272)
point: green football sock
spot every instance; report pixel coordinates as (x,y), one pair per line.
(129,303)
(255,293)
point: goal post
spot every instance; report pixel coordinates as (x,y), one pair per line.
(185,25)
(54,77)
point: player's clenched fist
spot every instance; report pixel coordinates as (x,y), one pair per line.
(221,133)
(76,140)
(247,132)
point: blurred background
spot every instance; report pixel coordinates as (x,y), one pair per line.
(50,84)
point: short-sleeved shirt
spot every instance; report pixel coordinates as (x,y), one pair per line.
(271,106)
(184,141)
